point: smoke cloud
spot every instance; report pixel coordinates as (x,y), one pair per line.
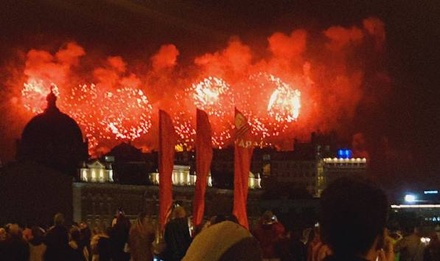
(114,99)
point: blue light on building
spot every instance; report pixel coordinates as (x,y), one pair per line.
(344,153)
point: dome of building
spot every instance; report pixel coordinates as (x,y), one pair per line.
(54,139)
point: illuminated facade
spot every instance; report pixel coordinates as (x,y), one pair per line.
(181,176)
(311,165)
(314,174)
(334,168)
(96,172)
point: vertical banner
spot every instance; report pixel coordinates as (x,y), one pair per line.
(203,164)
(242,163)
(167,143)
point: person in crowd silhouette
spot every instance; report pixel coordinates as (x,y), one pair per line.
(354,214)
(270,233)
(36,244)
(78,252)
(410,247)
(297,248)
(177,236)
(15,246)
(119,237)
(432,250)
(141,237)
(57,240)
(104,252)
(86,237)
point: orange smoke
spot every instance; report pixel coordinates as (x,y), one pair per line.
(297,85)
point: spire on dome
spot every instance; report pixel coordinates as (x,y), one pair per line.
(51,100)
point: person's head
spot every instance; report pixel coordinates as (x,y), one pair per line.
(15,231)
(58,219)
(353,216)
(119,212)
(83,225)
(268,218)
(179,212)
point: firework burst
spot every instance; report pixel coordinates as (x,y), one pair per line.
(214,96)
(270,104)
(104,115)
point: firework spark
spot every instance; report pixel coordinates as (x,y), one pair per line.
(214,96)
(34,94)
(104,115)
(284,95)
(270,104)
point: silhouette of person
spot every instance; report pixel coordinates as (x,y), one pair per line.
(177,236)
(270,233)
(57,240)
(354,213)
(141,237)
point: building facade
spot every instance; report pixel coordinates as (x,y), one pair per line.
(97,203)
(96,172)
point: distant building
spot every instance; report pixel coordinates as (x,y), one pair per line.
(96,172)
(53,139)
(334,168)
(182,176)
(310,166)
(130,165)
(295,170)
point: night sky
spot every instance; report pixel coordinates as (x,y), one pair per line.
(407,117)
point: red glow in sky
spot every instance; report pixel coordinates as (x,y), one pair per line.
(286,92)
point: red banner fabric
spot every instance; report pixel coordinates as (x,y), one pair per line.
(242,164)
(167,143)
(203,164)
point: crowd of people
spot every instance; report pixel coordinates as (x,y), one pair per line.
(347,231)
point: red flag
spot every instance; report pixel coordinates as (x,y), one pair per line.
(203,164)
(167,142)
(242,164)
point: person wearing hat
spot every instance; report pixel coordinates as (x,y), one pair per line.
(269,232)
(224,241)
